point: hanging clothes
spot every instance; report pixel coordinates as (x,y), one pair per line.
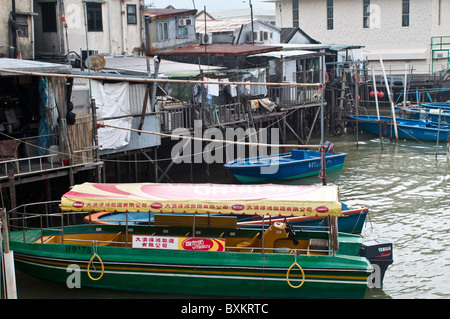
(44,140)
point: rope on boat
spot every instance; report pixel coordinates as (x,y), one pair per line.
(289,271)
(89,266)
(90,263)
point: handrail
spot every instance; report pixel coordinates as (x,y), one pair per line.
(42,165)
(59,228)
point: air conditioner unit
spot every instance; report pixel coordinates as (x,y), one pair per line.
(182,22)
(205,38)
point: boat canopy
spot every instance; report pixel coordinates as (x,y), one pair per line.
(266,199)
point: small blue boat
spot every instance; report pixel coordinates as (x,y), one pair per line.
(406,128)
(437,105)
(424,113)
(286,166)
(352,220)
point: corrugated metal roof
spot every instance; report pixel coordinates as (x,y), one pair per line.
(218,49)
(33,66)
(220,25)
(288,54)
(167,13)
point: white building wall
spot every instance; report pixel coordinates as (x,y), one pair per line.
(386,35)
(117,36)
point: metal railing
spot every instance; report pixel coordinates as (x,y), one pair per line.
(54,223)
(39,164)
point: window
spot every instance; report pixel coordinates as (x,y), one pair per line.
(22,25)
(295,16)
(48,13)
(182,31)
(366,13)
(405,13)
(94,16)
(330,24)
(131,14)
(162,31)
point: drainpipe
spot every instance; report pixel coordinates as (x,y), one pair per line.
(156,61)
(33,49)
(141,22)
(251,14)
(124,26)
(12,27)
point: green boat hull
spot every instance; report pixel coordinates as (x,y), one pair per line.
(196,273)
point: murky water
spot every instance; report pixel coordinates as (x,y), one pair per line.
(406,187)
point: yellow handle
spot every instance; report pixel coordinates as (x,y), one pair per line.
(289,271)
(89,266)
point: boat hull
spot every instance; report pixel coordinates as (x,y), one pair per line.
(433,115)
(406,128)
(437,105)
(197,273)
(283,167)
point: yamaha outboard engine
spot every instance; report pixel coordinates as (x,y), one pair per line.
(379,252)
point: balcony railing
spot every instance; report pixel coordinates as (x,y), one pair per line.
(40,164)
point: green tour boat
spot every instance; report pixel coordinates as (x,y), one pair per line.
(195,254)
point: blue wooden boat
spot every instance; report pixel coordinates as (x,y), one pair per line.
(424,113)
(286,166)
(351,221)
(406,128)
(437,105)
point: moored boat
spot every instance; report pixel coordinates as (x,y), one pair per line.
(437,105)
(407,128)
(425,114)
(286,166)
(211,257)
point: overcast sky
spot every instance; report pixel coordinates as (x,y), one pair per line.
(211,5)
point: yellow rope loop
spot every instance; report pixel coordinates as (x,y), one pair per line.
(89,266)
(289,271)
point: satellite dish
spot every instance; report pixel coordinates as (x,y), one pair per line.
(96,62)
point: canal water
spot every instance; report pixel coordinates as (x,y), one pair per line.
(406,186)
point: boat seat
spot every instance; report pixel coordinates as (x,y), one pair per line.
(111,242)
(297,154)
(248,243)
(276,231)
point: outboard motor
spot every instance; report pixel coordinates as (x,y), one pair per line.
(329,147)
(379,252)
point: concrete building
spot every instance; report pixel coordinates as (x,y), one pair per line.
(17,29)
(401,31)
(113,27)
(239,31)
(166,29)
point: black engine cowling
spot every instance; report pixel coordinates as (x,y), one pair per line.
(379,252)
